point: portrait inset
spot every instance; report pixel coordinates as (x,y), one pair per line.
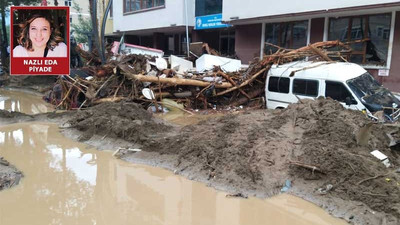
(39,40)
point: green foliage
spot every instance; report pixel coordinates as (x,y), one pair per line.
(83,27)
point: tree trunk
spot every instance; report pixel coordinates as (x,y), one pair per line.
(4,42)
(176,81)
(95,34)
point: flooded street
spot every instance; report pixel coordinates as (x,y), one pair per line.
(67,183)
(18,101)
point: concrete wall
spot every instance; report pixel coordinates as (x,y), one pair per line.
(260,8)
(172,15)
(248,42)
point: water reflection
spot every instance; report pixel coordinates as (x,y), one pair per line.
(65,183)
(16,101)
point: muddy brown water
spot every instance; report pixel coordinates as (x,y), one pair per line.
(19,101)
(68,183)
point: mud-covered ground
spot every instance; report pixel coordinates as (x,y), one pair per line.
(312,144)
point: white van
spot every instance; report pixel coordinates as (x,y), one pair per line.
(348,83)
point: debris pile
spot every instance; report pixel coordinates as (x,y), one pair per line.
(125,77)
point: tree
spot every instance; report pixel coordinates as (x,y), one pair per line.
(4,7)
(83,28)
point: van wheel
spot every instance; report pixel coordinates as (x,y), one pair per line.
(279,107)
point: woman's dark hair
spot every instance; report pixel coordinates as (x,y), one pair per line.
(23,37)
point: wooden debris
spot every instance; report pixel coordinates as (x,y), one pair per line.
(311,167)
(124,76)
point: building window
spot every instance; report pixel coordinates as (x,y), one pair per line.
(375,29)
(208,7)
(137,5)
(286,35)
(227,42)
(68,3)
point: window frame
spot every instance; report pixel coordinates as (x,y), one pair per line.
(344,85)
(306,80)
(142,3)
(68,3)
(363,16)
(280,31)
(278,82)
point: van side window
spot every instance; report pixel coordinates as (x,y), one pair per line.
(305,87)
(337,91)
(279,84)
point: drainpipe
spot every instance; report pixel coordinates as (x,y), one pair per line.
(187,29)
(262,47)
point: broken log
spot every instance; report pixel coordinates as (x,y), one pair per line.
(320,53)
(313,168)
(228,78)
(251,94)
(244,83)
(176,81)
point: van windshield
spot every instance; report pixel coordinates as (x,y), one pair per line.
(371,93)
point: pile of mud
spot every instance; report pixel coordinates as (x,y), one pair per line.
(124,120)
(313,144)
(254,153)
(9,175)
(329,142)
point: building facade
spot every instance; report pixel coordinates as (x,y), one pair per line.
(210,29)
(157,24)
(231,30)
(293,24)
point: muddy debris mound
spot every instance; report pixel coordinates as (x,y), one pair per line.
(347,168)
(9,175)
(313,144)
(4,114)
(124,120)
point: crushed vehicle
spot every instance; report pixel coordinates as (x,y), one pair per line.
(348,83)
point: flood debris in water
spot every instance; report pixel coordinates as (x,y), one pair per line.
(9,175)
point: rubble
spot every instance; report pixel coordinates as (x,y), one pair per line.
(124,76)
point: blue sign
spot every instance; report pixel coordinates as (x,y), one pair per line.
(210,22)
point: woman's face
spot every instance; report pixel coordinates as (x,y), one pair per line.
(39,32)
